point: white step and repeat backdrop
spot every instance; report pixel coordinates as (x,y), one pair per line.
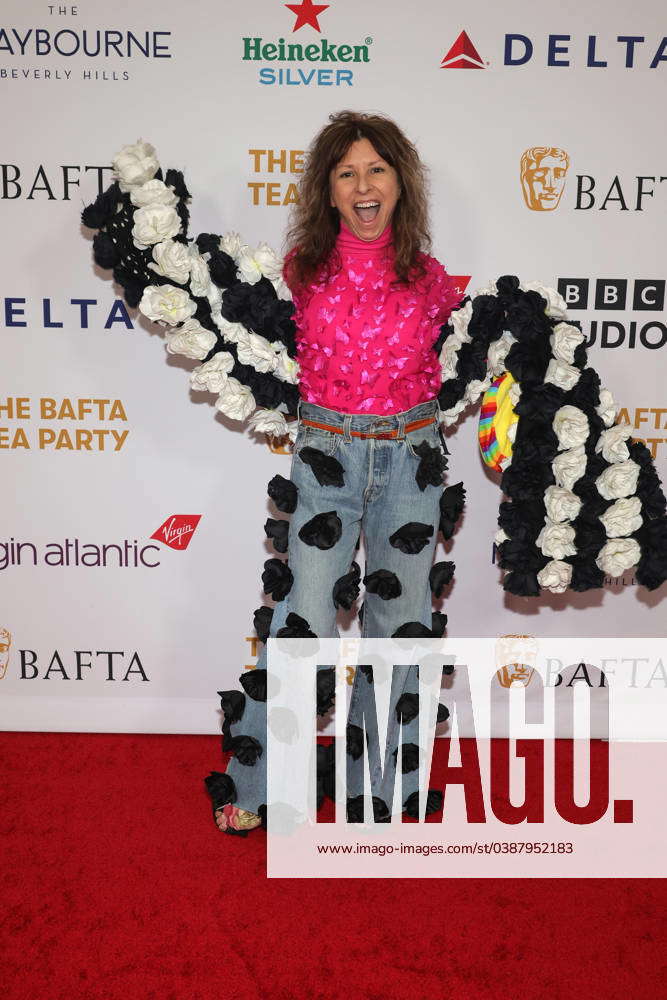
(131,539)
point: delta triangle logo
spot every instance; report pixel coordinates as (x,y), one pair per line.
(462,55)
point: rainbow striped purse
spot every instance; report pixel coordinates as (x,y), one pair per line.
(497,423)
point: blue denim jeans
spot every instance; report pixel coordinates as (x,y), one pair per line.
(379,496)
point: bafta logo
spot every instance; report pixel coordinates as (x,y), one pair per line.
(543,170)
(515,659)
(5,645)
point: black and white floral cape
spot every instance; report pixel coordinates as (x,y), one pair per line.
(582,499)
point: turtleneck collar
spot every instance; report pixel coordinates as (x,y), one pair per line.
(348,243)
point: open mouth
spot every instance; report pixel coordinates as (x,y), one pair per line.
(367,211)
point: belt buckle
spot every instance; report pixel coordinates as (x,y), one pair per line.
(388,436)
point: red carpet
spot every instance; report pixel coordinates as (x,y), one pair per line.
(117,886)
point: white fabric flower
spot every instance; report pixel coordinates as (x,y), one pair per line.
(498,351)
(487,290)
(287,369)
(514,394)
(460,318)
(192,340)
(617,555)
(233,332)
(200,276)
(172,260)
(167,304)
(612,443)
(232,244)
(258,352)
(607,408)
(561,504)
(619,480)
(475,388)
(555,576)
(135,165)
(236,400)
(500,536)
(564,340)
(211,376)
(261,262)
(282,290)
(569,466)
(153,192)
(556,304)
(268,422)
(571,426)
(556,540)
(623,517)
(154,224)
(561,374)
(449,356)
(511,431)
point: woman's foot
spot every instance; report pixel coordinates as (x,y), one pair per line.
(230,817)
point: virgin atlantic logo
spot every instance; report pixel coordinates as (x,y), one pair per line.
(177,530)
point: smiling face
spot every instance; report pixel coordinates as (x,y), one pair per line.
(364,188)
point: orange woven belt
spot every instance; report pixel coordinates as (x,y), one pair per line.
(387,435)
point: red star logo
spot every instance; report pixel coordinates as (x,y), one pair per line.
(306,12)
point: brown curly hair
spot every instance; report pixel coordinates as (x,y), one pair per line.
(311,237)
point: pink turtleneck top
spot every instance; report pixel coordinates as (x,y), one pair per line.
(363,346)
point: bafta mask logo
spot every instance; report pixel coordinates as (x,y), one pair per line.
(543,170)
(515,659)
(5,646)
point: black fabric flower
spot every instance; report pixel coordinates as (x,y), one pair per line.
(409,757)
(522,584)
(102,210)
(323,530)
(277,529)
(246,749)
(346,588)
(384,583)
(295,627)
(411,537)
(448,668)
(232,704)
(221,788)
(407,707)
(452,502)
(367,671)
(412,630)
(327,470)
(325,685)
(443,714)
(434,800)
(355,810)
(326,773)
(262,622)
(283,492)
(277,578)
(105,251)
(253,683)
(651,569)
(440,575)
(438,624)
(432,464)
(221,268)
(585,575)
(354,741)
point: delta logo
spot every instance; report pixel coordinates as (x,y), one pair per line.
(589,52)
(313,60)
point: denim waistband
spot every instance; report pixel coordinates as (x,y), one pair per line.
(369,422)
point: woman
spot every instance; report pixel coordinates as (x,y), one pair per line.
(368,455)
